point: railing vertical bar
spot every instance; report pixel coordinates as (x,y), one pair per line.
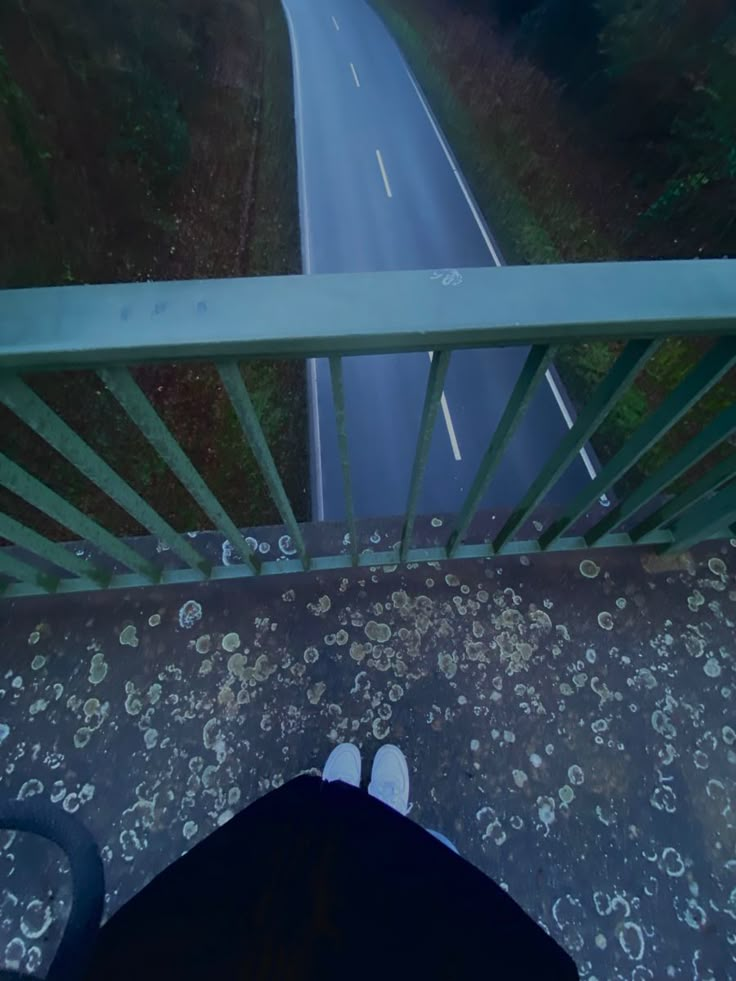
(439,363)
(21,483)
(17,569)
(612,387)
(338,396)
(718,475)
(709,370)
(50,551)
(32,410)
(699,446)
(530,375)
(703,520)
(120,382)
(235,387)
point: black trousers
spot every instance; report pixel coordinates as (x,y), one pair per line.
(319,880)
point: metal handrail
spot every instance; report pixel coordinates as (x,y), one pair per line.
(108,328)
(363,313)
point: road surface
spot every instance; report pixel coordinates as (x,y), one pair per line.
(380,190)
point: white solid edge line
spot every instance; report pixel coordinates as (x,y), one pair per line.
(458,176)
(448,421)
(306,257)
(450,427)
(584,455)
(355,75)
(386,184)
(337,26)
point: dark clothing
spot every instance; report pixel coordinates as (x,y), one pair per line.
(320,881)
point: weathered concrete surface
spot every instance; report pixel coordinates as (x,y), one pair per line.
(575,736)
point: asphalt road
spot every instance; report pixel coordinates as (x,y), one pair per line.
(380,190)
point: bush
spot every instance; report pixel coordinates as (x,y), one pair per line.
(152,129)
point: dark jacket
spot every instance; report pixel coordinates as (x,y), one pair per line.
(321,881)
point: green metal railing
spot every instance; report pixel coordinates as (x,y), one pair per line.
(107,329)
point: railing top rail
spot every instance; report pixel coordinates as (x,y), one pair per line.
(363,313)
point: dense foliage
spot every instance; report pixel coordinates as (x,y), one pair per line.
(660,77)
(101,121)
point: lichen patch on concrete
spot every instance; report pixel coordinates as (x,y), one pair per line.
(569,726)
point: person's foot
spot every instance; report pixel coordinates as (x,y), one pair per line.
(343,763)
(390,778)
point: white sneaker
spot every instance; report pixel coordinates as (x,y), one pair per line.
(343,763)
(390,778)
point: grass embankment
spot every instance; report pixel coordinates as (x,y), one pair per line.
(550,190)
(152,140)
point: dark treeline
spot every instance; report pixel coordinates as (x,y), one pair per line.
(660,76)
(107,112)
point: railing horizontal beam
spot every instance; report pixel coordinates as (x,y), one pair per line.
(325,563)
(363,313)
(109,328)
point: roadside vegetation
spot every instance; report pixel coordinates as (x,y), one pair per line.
(152,140)
(593,130)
